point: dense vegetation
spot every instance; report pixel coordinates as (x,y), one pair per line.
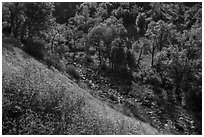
(123,53)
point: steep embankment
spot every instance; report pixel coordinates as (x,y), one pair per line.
(37,100)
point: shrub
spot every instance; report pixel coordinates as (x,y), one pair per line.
(52,60)
(88,60)
(151,77)
(10,42)
(124,72)
(60,65)
(71,70)
(34,47)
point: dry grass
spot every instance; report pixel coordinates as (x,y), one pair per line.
(39,101)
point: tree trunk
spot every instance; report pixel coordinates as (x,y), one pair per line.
(178,90)
(139,58)
(153,50)
(152,61)
(178,95)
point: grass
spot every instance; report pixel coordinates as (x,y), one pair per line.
(38,101)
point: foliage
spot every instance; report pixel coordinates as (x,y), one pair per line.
(182,64)
(54,60)
(160,44)
(163,33)
(66,10)
(35,47)
(118,56)
(13,15)
(56,37)
(103,34)
(140,23)
(88,60)
(158,35)
(27,19)
(71,70)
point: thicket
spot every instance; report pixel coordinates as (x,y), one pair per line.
(169,33)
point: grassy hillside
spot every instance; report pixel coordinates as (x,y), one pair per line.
(37,100)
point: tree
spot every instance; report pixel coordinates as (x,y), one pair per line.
(160,35)
(114,29)
(127,11)
(141,46)
(157,12)
(38,17)
(193,16)
(28,19)
(101,10)
(64,11)
(74,36)
(182,64)
(131,60)
(96,36)
(118,56)
(14,16)
(101,36)
(149,46)
(56,35)
(140,23)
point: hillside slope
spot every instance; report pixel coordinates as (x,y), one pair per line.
(37,100)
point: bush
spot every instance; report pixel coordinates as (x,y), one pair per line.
(71,70)
(35,48)
(88,60)
(151,77)
(53,61)
(50,61)
(60,65)
(10,41)
(124,72)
